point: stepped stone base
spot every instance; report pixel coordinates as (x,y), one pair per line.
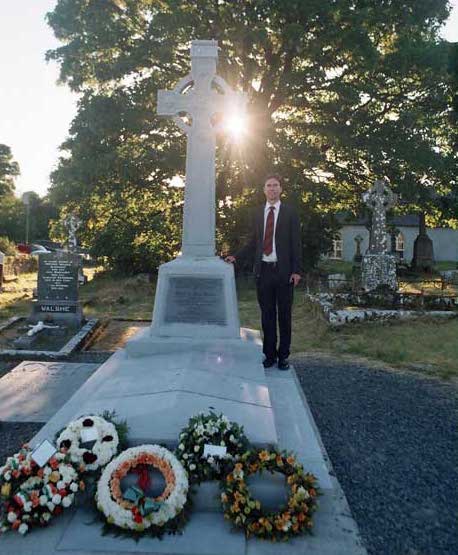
(378,269)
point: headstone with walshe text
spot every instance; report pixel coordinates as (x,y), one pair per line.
(57,292)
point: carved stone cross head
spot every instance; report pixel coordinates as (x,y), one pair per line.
(202,95)
(380,196)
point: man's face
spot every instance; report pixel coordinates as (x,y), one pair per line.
(272,190)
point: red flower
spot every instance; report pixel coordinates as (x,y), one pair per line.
(62,492)
(57,510)
(53,463)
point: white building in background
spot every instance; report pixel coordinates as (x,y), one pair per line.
(445,240)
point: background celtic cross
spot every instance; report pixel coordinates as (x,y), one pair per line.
(379,199)
(203,96)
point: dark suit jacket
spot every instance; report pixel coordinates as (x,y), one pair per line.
(288,243)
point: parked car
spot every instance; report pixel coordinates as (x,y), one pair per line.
(50,245)
(38,249)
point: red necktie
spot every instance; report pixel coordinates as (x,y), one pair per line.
(269,232)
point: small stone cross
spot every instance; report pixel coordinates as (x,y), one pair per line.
(73,223)
(202,96)
(379,199)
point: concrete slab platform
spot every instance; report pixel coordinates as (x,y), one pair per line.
(158,395)
(35,391)
(335,531)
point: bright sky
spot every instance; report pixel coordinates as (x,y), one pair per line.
(35,112)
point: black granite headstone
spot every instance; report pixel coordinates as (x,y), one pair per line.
(57,292)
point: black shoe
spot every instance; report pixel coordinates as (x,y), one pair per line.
(283,364)
(269,362)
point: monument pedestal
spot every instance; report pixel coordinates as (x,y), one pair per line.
(195,306)
(378,269)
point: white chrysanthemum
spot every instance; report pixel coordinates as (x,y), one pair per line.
(50,506)
(12,517)
(67,501)
(43,499)
(23,528)
(74,487)
(56,499)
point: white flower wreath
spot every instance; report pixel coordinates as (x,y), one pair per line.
(126,514)
(97,428)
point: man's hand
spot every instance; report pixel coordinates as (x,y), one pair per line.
(230,259)
(295,278)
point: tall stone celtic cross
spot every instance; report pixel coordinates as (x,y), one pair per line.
(203,96)
(379,199)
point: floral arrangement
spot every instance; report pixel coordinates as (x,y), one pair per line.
(32,495)
(105,441)
(209,429)
(133,510)
(294,519)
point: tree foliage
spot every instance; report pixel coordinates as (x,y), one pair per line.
(341,92)
(9,170)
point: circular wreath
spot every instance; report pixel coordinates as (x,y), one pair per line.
(32,495)
(211,429)
(134,510)
(293,519)
(103,449)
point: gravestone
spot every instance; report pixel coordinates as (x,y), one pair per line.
(378,266)
(57,291)
(423,251)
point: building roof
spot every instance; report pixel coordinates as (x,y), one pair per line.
(404,220)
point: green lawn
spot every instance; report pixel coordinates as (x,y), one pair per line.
(429,346)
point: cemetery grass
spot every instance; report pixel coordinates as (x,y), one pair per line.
(428,346)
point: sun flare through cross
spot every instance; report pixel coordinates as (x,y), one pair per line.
(235,125)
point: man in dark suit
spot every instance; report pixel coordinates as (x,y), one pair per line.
(275,246)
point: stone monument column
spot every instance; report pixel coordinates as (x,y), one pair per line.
(195,294)
(378,266)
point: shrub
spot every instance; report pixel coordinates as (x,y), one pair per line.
(7,246)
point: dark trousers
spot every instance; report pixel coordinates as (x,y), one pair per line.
(274,297)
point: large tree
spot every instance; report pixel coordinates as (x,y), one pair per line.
(9,170)
(340,92)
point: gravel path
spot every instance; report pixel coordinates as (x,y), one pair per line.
(393,441)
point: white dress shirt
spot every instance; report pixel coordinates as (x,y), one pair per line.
(272,257)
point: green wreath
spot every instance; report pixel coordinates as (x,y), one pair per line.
(215,430)
(244,512)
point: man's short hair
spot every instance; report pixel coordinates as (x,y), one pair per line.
(273,176)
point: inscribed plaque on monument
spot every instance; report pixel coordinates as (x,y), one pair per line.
(195,300)
(58,277)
